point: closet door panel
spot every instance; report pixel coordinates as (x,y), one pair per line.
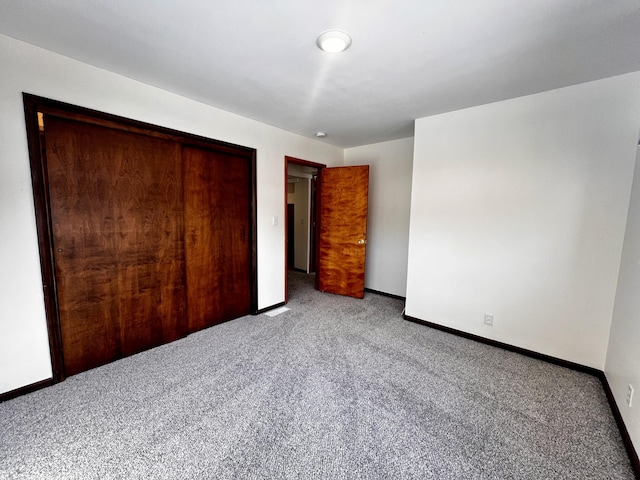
(150,226)
(84,247)
(117,222)
(217,236)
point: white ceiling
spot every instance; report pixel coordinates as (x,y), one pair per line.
(409,58)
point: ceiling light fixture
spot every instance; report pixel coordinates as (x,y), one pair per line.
(321,134)
(333,41)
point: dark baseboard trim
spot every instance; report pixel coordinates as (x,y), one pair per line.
(26,389)
(277,305)
(385,294)
(505,346)
(624,433)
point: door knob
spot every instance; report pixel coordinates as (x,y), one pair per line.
(362,241)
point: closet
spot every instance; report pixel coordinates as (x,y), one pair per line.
(146,234)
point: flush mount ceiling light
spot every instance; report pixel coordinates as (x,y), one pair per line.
(321,134)
(333,41)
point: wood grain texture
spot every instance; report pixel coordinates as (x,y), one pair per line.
(104,339)
(217,204)
(117,223)
(343,227)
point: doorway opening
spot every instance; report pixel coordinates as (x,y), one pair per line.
(301,209)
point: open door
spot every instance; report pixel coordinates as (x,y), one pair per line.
(342,237)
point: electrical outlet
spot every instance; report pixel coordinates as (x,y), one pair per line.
(488,319)
(629,395)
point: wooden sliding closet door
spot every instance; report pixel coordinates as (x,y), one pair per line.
(117,227)
(218,241)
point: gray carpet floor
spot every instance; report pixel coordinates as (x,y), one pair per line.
(334,388)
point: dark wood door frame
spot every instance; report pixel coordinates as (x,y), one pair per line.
(306,163)
(33,107)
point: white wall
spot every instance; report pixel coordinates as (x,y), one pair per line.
(623,356)
(24,354)
(519,209)
(388,219)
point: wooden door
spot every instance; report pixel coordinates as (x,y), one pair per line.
(342,239)
(117,239)
(217,236)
